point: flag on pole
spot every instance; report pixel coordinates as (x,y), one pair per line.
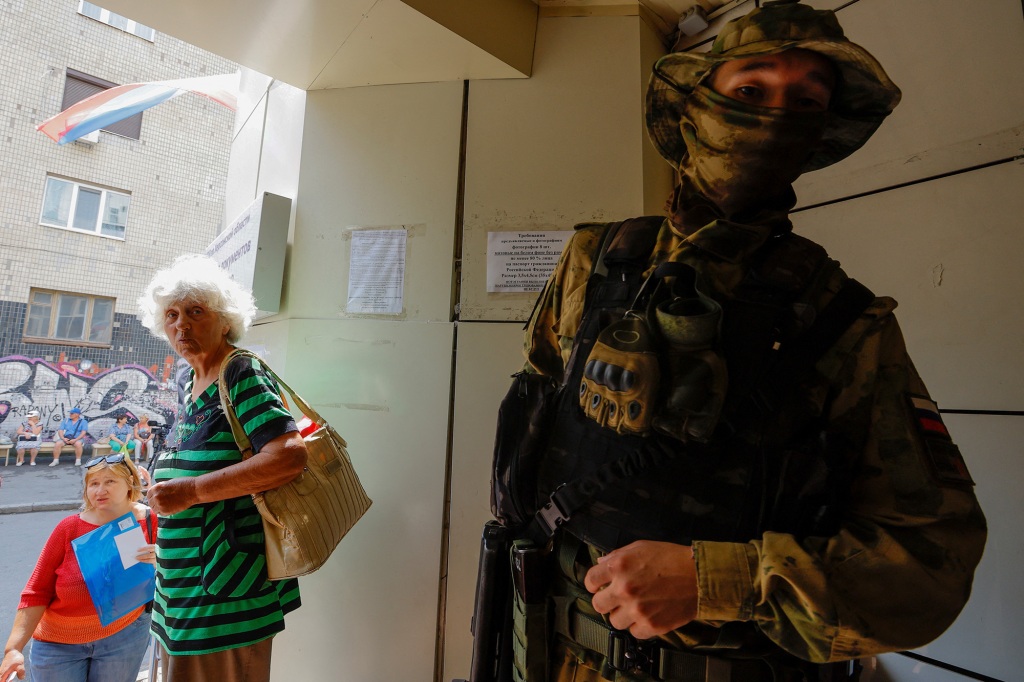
(120,102)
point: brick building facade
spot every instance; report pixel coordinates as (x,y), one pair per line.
(83,226)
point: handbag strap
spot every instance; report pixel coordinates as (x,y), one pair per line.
(239,434)
(225,398)
(241,437)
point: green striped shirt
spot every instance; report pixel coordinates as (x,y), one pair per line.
(211,591)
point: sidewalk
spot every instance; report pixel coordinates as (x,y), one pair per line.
(41,487)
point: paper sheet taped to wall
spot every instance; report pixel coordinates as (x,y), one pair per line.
(376,272)
(522,261)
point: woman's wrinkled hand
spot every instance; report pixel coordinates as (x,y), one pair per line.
(171,497)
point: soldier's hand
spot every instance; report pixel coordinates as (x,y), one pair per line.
(648,588)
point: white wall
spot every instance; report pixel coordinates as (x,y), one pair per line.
(488,355)
(957,64)
(565,146)
(380,156)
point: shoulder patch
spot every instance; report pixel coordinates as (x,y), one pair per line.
(944,458)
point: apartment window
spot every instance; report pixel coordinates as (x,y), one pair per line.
(69,318)
(116,20)
(79,86)
(78,206)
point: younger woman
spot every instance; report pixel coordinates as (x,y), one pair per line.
(69,643)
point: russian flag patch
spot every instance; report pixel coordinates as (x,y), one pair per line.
(926,412)
(947,463)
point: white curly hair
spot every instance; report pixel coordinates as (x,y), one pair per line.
(198,279)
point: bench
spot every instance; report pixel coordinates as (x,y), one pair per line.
(46,447)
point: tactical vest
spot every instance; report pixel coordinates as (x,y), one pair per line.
(766,465)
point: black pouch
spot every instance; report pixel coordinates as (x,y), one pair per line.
(523,419)
(231,567)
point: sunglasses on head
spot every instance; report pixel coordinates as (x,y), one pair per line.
(109,459)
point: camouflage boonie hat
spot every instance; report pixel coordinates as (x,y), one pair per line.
(863,97)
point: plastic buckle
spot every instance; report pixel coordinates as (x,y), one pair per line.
(628,654)
(551,514)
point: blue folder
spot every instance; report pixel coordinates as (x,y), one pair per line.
(115,590)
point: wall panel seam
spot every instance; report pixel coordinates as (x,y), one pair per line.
(909,183)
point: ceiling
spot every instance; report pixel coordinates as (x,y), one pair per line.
(318,44)
(663,14)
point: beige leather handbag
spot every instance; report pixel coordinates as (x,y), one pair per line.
(303,520)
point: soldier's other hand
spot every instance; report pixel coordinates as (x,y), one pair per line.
(648,588)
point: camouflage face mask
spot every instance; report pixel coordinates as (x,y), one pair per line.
(741,156)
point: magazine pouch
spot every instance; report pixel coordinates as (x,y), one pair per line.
(523,420)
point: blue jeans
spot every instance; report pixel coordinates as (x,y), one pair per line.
(116,658)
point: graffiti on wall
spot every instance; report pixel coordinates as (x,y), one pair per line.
(33,384)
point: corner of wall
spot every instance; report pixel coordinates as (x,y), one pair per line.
(657,181)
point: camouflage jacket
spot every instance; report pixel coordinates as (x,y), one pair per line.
(900,568)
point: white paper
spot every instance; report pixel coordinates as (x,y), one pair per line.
(376,274)
(522,261)
(128,545)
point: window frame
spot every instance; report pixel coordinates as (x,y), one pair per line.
(77,185)
(131,26)
(55,317)
(74,80)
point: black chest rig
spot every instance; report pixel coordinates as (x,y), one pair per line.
(765,464)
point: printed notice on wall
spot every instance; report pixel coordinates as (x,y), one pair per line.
(522,261)
(376,272)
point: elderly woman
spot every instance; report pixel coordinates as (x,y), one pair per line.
(29,437)
(70,644)
(215,613)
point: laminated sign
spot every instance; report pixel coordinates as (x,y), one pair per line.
(117,582)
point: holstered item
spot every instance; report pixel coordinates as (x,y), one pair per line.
(523,421)
(531,571)
(492,612)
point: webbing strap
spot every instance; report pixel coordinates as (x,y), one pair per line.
(570,497)
(621,649)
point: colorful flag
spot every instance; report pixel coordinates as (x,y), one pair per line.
(120,102)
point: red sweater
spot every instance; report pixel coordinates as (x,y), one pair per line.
(57,584)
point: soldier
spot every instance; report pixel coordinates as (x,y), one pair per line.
(742,476)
